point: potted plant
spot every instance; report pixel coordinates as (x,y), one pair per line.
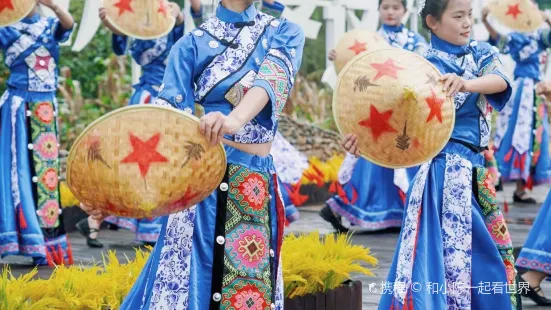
(317,272)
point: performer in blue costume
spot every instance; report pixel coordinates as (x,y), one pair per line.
(30,209)
(369,196)
(454,238)
(535,257)
(240,66)
(152,56)
(522,136)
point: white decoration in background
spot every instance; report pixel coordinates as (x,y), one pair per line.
(301,15)
(90,25)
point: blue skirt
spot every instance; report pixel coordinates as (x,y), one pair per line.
(454,250)
(521,142)
(222,253)
(30,214)
(536,252)
(147,230)
(291,212)
(369,199)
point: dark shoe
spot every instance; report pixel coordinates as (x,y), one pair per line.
(85,230)
(526,200)
(499,186)
(328,216)
(112,227)
(532,293)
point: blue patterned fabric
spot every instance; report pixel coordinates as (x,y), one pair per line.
(454,237)
(401,37)
(31,51)
(265,52)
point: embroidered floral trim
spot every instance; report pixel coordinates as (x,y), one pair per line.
(277,78)
(495,223)
(46,164)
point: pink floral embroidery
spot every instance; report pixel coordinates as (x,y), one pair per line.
(50,179)
(47,146)
(45,112)
(249,300)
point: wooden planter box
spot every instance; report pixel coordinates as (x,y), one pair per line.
(346,297)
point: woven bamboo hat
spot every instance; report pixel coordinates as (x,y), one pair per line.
(141,19)
(520,15)
(144,161)
(393,101)
(12,11)
(355,42)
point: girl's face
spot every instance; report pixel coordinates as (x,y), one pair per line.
(392,12)
(455,25)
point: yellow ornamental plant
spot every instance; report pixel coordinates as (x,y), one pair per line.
(67,197)
(313,264)
(322,173)
(73,287)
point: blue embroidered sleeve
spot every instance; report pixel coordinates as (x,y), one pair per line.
(178,86)
(277,72)
(275,9)
(119,43)
(60,34)
(489,63)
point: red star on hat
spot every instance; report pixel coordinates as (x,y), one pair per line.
(378,122)
(435,106)
(6,4)
(386,68)
(124,5)
(514,10)
(144,153)
(163,8)
(358,47)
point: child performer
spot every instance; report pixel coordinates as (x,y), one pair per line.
(152,56)
(30,209)
(372,197)
(521,142)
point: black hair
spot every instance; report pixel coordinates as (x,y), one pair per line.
(404,3)
(435,8)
